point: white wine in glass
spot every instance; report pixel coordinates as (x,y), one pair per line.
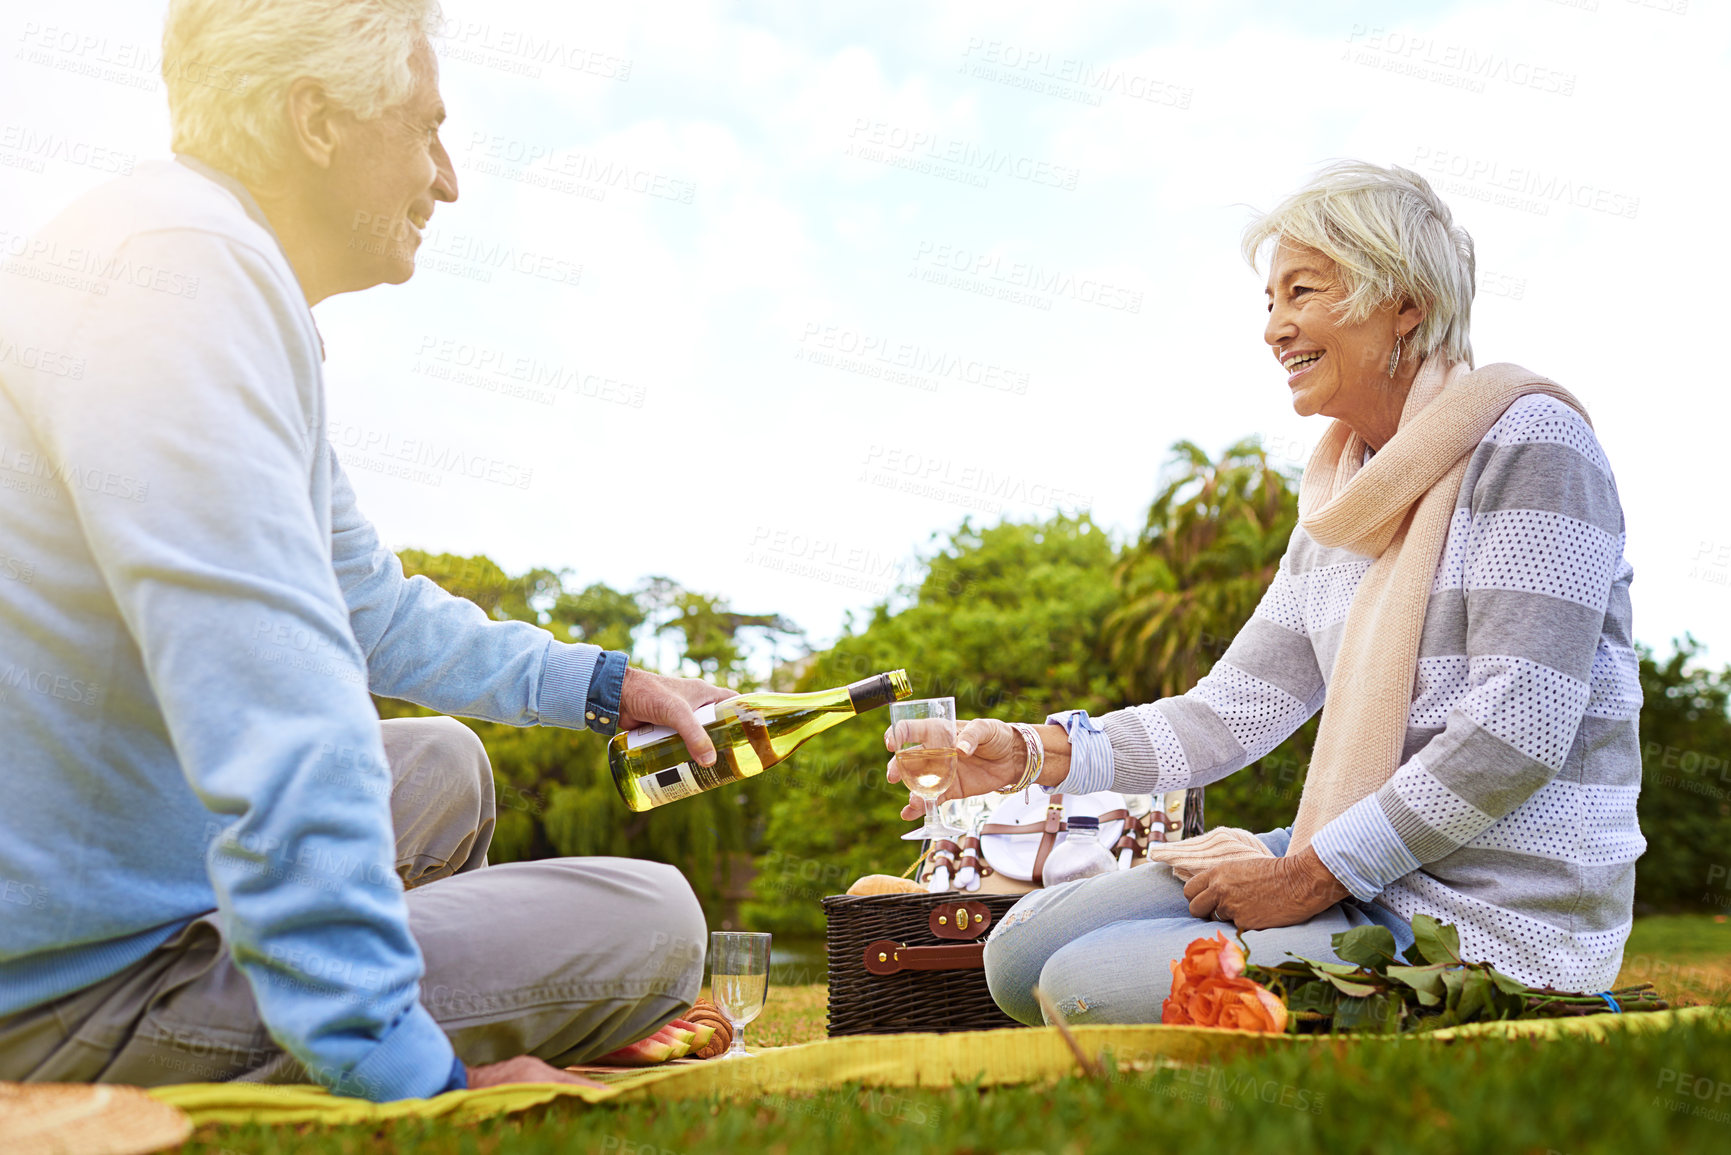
(739,980)
(924,731)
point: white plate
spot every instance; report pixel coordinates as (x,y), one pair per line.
(1012,855)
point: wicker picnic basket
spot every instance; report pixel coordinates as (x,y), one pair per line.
(911,962)
(916,962)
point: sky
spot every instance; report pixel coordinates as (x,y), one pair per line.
(768,297)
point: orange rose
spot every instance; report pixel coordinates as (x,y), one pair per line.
(1246,1006)
(1216,957)
(1237,1004)
(1209,990)
(1203,1001)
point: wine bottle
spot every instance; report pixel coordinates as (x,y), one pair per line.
(651,766)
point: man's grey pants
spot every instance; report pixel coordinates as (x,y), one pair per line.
(565,959)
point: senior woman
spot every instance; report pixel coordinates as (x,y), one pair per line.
(1455,601)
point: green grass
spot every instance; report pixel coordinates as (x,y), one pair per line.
(1669,1093)
(1686,956)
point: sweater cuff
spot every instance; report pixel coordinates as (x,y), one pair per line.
(566,677)
(1362,850)
(412,1061)
(459,1080)
(1090,754)
(606,685)
(1141,763)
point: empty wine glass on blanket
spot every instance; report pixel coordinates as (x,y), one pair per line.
(739,980)
(923,734)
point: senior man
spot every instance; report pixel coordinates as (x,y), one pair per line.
(217,862)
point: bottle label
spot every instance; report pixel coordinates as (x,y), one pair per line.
(643,735)
(671,784)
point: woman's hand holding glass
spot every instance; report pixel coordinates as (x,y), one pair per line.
(990,756)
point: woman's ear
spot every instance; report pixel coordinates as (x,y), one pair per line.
(1407,317)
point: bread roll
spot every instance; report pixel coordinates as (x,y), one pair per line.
(885,884)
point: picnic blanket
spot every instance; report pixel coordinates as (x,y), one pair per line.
(992,1058)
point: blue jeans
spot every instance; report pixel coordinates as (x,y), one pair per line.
(1099,948)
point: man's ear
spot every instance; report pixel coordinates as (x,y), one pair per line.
(311,119)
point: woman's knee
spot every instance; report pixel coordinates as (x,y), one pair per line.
(1010,978)
(1120,973)
(1013,958)
(1088,982)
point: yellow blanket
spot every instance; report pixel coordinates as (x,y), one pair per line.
(1020,1055)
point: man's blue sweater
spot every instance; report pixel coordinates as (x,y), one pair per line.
(192,613)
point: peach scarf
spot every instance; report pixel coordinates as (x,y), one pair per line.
(1395,508)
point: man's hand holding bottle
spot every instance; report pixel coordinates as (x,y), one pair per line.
(664,701)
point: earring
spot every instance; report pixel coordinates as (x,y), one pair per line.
(1394,358)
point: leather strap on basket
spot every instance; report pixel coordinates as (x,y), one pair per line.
(971,856)
(1048,830)
(1049,836)
(888,957)
(1160,827)
(960,920)
(943,854)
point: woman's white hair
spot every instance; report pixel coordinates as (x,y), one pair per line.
(1393,238)
(228,65)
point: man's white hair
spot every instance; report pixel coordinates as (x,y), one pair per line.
(1392,238)
(228,65)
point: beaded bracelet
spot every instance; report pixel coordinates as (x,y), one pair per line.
(1036,757)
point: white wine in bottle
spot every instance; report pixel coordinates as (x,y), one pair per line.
(651,766)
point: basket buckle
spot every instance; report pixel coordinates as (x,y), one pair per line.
(965,921)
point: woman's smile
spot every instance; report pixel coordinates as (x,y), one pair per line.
(1300,364)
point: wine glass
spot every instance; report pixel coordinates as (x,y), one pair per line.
(739,980)
(924,732)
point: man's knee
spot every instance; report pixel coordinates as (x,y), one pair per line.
(678,932)
(451,761)
(459,747)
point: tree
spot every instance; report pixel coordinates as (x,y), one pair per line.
(1685,805)
(554,791)
(602,616)
(1214,536)
(711,634)
(1215,533)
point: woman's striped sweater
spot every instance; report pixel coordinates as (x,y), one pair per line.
(1512,814)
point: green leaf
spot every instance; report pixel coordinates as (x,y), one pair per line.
(1371,947)
(1426,981)
(1453,980)
(1507,985)
(1476,992)
(1396,1012)
(1292,971)
(1355,990)
(1345,970)
(1318,998)
(1436,942)
(1373,1013)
